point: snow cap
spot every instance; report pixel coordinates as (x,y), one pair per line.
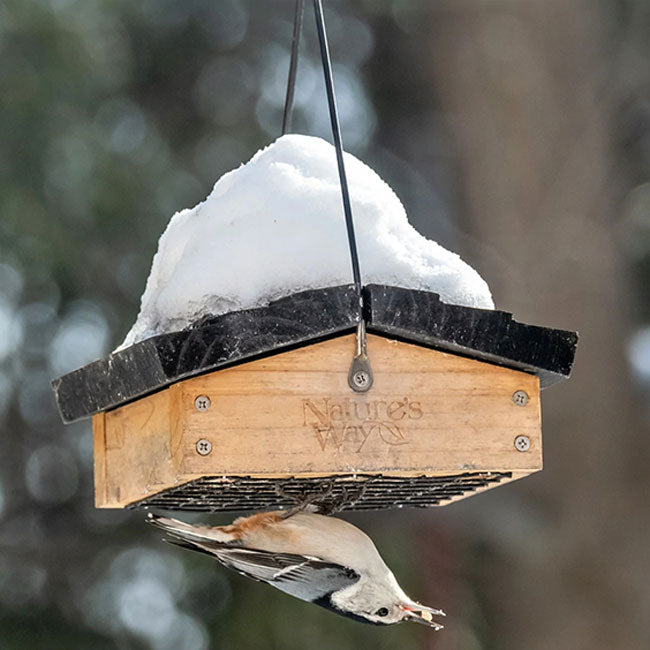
(275,226)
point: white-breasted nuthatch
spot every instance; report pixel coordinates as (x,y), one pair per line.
(317,558)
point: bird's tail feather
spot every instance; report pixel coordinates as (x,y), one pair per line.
(183,543)
(191,534)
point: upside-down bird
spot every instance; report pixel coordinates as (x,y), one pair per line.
(317,558)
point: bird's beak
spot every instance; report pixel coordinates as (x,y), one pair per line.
(421,614)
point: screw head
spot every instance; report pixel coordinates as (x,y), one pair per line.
(361,378)
(202,403)
(203,447)
(520,398)
(522,443)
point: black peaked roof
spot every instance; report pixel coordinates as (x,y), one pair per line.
(309,316)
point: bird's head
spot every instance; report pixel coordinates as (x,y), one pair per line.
(382,605)
(398,612)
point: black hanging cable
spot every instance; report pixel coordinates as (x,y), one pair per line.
(336,132)
(293,67)
(360,377)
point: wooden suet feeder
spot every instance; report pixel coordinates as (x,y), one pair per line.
(245,409)
(252,409)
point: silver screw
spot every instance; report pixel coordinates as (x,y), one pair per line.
(520,398)
(203,447)
(361,378)
(202,403)
(522,443)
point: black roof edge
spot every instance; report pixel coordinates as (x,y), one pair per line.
(305,317)
(484,334)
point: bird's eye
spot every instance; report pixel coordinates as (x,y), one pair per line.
(382,612)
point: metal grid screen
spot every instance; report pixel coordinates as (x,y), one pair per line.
(356,492)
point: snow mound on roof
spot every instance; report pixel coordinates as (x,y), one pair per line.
(275,226)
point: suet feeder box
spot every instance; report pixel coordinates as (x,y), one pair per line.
(242,410)
(252,409)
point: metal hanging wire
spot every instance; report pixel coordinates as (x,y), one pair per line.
(360,377)
(287,115)
(338,145)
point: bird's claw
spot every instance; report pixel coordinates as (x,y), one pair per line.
(324,500)
(345,499)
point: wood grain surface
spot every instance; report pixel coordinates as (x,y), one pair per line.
(293,414)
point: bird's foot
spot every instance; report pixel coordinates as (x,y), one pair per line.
(307,500)
(345,499)
(326,500)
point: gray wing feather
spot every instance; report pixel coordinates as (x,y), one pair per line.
(304,577)
(315,580)
(307,578)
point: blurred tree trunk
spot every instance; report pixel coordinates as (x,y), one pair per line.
(528,91)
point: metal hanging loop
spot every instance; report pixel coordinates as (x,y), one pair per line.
(360,377)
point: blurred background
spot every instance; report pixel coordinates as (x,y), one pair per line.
(517,133)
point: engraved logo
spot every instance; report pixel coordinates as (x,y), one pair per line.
(350,424)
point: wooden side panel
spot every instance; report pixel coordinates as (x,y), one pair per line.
(132,450)
(99,455)
(428,412)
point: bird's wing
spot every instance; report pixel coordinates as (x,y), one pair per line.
(307,578)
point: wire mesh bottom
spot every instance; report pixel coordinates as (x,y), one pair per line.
(352,491)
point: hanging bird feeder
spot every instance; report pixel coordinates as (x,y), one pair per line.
(376,395)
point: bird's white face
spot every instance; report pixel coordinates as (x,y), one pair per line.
(385,615)
(398,612)
(381,605)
